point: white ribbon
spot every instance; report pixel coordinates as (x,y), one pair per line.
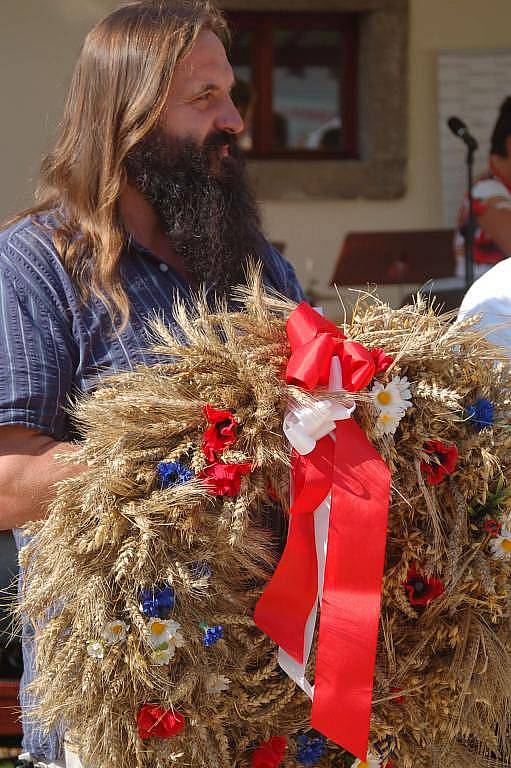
(303,427)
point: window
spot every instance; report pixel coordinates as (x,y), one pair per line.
(297,83)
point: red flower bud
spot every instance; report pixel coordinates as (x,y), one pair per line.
(270,753)
(444,461)
(224,479)
(222,432)
(155,722)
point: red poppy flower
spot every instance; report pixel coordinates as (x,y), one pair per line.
(444,461)
(420,589)
(223,431)
(270,753)
(493,527)
(155,722)
(224,479)
(382,361)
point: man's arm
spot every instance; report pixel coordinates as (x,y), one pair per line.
(496,222)
(28,473)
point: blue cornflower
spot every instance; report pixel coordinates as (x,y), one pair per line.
(310,750)
(157,601)
(173,473)
(480,413)
(211,634)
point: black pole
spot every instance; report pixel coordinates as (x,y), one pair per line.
(470,227)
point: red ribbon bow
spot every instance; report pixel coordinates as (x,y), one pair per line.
(353,472)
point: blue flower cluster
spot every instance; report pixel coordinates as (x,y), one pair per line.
(211,634)
(173,473)
(480,413)
(157,601)
(311,749)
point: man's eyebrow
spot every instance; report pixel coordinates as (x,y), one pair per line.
(203,87)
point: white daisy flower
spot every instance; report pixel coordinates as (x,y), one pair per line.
(96,649)
(114,632)
(163,655)
(159,631)
(372,762)
(217,683)
(501,545)
(387,423)
(394,397)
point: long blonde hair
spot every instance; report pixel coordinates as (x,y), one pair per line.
(117,94)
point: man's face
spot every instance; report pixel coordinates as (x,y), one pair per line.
(192,172)
(199,102)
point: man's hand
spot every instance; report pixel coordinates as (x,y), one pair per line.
(28,473)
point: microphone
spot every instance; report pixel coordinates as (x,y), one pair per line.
(460,130)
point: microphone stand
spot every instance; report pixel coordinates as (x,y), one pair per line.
(470,227)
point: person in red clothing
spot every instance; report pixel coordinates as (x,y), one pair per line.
(492,203)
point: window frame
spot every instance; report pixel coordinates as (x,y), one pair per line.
(262,63)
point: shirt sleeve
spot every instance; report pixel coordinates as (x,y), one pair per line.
(488,188)
(36,360)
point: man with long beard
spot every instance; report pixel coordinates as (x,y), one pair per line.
(143,200)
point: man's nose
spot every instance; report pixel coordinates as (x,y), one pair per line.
(229,119)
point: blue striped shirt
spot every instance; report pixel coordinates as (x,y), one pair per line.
(52,345)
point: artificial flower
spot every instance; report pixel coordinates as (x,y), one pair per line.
(96,649)
(163,654)
(157,601)
(269,754)
(480,414)
(392,398)
(421,589)
(221,433)
(372,762)
(155,722)
(211,634)
(310,749)
(492,527)
(225,479)
(382,361)
(444,458)
(160,631)
(217,683)
(114,632)
(501,545)
(172,473)
(387,423)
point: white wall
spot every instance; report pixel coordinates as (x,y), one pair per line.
(40,39)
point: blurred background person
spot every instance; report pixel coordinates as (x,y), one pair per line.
(492,204)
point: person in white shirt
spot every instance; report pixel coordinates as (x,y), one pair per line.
(491,296)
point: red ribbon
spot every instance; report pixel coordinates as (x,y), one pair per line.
(359,480)
(314,341)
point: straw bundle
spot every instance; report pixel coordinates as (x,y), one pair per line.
(122,530)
